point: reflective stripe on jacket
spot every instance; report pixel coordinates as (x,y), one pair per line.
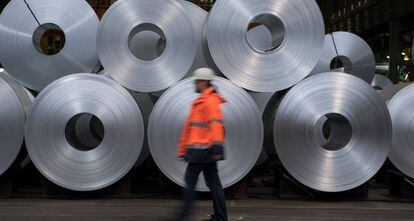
(204,127)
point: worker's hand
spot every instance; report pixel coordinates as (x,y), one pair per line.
(217,156)
(217,152)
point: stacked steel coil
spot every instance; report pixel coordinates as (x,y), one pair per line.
(292,55)
(354,120)
(51,132)
(401,108)
(166,18)
(146,105)
(20,40)
(355,54)
(244,131)
(15,103)
(380,82)
(331,131)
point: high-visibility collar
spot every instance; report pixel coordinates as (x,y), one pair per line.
(207,92)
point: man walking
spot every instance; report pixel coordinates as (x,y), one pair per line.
(202,145)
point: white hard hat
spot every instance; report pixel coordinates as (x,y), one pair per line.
(204,74)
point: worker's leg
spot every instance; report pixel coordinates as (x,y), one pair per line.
(214,183)
(189,194)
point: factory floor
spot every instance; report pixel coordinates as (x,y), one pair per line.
(142,209)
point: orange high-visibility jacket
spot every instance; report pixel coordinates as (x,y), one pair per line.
(204,127)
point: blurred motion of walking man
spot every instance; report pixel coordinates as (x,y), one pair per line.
(202,144)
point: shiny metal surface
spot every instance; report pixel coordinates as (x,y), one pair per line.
(262,100)
(12,118)
(26,99)
(197,16)
(60,161)
(270,71)
(244,131)
(260,37)
(17,27)
(359,114)
(355,54)
(401,108)
(167,18)
(390,91)
(146,105)
(380,82)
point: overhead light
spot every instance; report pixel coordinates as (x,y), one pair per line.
(388,57)
(1,70)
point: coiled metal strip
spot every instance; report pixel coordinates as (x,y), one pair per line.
(67,165)
(19,30)
(244,131)
(294,53)
(358,132)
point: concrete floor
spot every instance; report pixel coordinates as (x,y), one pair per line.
(140,209)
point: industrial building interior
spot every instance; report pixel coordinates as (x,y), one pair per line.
(269,191)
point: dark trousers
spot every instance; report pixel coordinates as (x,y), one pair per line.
(214,184)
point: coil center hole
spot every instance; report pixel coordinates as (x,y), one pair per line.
(265,33)
(84,132)
(341,64)
(49,39)
(337,131)
(147,42)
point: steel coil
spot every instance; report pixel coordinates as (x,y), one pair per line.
(390,91)
(20,37)
(244,131)
(381,82)
(294,51)
(351,116)
(12,126)
(26,99)
(401,108)
(146,105)
(262,100)
(52,144)
(166,18)
(354,53)
(197,16)
(150,45)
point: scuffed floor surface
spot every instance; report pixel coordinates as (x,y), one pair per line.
(142,209)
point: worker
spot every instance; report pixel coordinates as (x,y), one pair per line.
(202,145)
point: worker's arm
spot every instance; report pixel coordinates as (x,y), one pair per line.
(216,125)
(184,139)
